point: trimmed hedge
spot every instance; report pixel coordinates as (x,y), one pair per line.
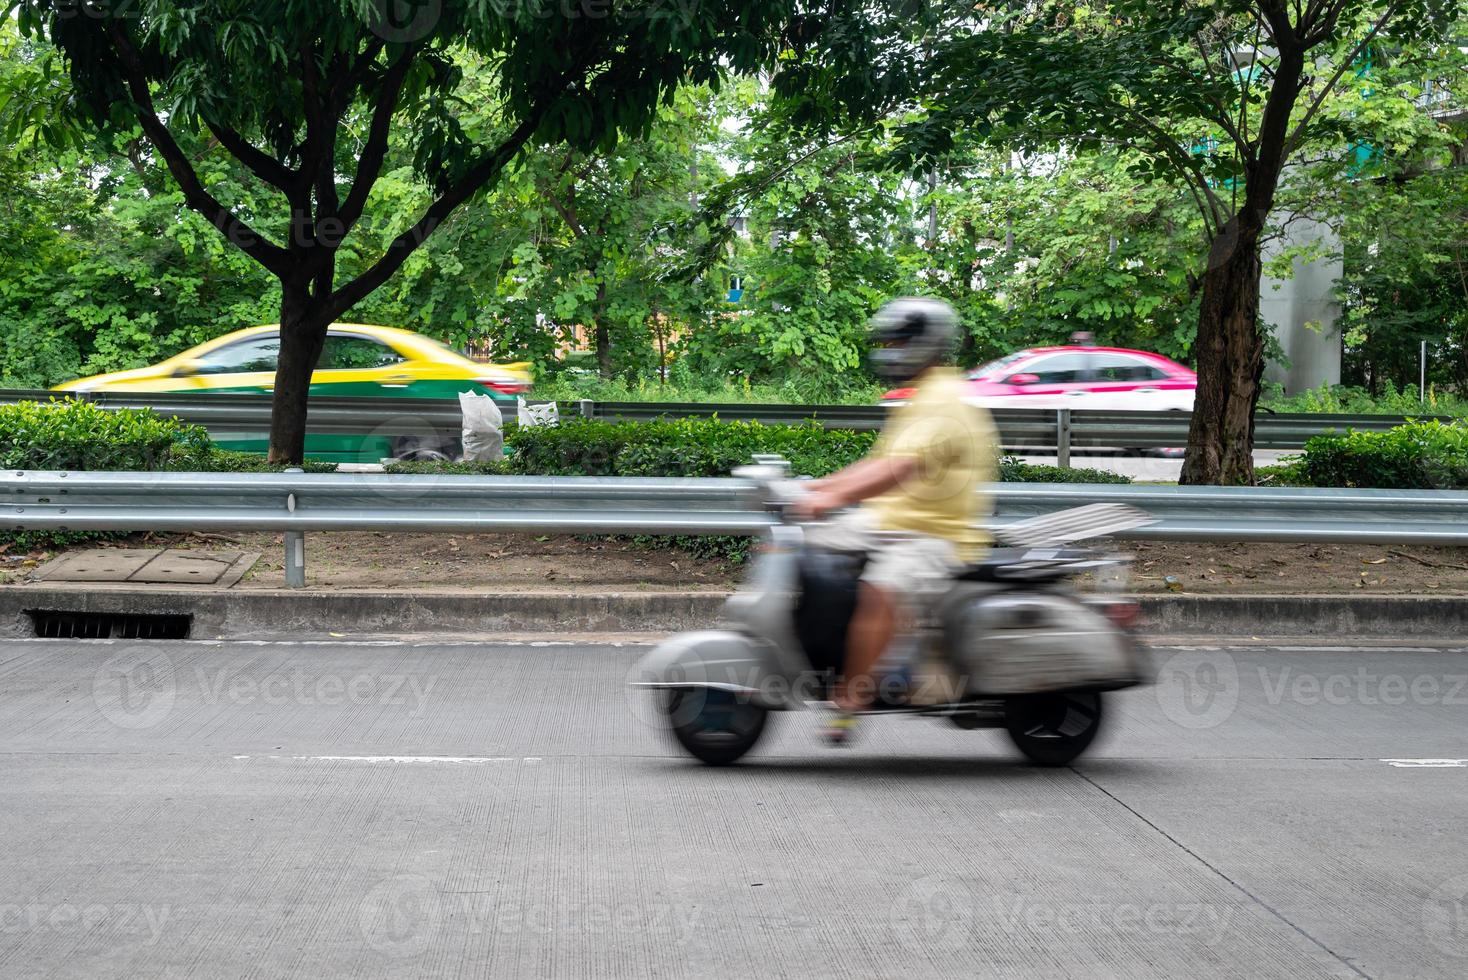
(1428,455)
(78,435)
(697,448)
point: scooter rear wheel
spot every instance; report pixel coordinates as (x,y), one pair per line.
(716,727)
(1053,729)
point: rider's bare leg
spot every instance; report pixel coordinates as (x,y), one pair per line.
(872,627)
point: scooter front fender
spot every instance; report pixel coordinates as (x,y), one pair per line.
(719,660)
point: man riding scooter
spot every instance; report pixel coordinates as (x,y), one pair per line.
(924,477)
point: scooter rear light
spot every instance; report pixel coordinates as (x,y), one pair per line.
(1125,615)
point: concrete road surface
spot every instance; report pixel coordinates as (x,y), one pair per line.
(267,810)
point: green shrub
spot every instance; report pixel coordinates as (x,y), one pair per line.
(78,435)
(1428,455)
(230,461)
(1288,472)
(1346,400)
(698,448)
(1012,470)
(569,386)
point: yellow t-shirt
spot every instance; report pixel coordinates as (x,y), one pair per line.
(956,448)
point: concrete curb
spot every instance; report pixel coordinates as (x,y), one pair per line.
(237,613)
(252,612)
(1343,617)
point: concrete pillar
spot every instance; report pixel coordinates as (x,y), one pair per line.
(1304,311)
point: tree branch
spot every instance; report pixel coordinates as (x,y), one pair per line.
(405,244)
(1248,79)
(271,256)
(1298,135)
(1164,143)
(1224,116)
(260,163)
(374,151)
(1281,29)
(565,214)
(346,81)
(317,122)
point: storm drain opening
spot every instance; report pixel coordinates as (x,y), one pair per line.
(61,625)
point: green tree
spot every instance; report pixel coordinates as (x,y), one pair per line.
(307,94)
(1216,96)
(1033,248)
(102,265)
(1406,279)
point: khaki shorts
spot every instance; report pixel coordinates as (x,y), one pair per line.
(910,566)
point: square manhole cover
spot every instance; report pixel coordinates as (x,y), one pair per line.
(150,566)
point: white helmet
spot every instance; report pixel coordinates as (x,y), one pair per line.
(910,335)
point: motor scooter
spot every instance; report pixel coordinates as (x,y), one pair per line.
(1008,642)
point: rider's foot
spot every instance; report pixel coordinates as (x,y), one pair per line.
(839,728)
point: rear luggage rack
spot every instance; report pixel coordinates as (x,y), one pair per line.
(1074,524)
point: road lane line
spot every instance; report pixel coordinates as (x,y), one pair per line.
(1426,763)
(469,760)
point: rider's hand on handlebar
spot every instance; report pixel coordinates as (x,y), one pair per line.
(814,506)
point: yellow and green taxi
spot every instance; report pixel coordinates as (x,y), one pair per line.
(355,360)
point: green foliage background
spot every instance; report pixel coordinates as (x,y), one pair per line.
(103,268)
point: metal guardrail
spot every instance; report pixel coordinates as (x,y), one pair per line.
(298,502)
(1061,430)
(234,414)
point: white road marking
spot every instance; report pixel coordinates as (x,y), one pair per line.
(1427,763)
(420,759)
(486,641)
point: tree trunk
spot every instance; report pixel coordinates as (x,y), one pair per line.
(302,332)
(1230,353)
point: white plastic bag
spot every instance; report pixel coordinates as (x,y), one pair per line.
(484,437)
(545,413)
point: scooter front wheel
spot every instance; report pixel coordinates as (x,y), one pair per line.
(715,727)
(1053,729)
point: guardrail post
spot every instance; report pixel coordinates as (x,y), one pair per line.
(1062,437)
(588,408)
(295,546)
